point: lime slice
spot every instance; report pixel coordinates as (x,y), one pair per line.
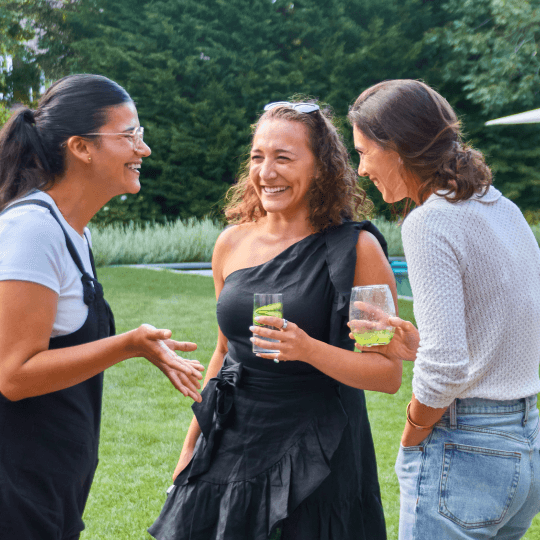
(270,310)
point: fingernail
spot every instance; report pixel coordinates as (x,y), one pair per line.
(252,339)
(257,354)
(252,328)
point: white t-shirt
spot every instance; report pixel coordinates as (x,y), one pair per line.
(33,248)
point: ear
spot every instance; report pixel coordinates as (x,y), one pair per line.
(80,149)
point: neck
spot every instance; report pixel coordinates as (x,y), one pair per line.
(282,226)
(77,202)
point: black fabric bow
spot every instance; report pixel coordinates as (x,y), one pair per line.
(218,399)
(212,415)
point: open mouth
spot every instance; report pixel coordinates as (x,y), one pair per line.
(279,189)
(134,167)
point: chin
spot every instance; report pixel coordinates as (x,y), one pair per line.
(133,188)
(390,199)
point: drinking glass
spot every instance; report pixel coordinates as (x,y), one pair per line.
(371,316)
(268,305)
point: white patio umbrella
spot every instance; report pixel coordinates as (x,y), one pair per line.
(529,117)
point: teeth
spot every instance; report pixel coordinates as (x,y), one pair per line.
(273,190)
(134,166)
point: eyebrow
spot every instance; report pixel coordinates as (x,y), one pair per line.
(277,150)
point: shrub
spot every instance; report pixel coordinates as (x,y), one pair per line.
(392,233)
(146,243)
(536,232)
(5,113)
(532,217)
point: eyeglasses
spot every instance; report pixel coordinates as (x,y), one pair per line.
(306,108)
(136,136)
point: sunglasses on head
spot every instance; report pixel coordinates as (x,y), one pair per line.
(305,108)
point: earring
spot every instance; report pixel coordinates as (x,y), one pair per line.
(89,159)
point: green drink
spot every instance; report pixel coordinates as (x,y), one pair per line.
(370,308)
(375,337)
(267,305)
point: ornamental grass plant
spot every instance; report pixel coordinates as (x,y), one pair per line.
(392,233)
(189,240)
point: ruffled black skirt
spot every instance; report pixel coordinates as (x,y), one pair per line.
(276,451)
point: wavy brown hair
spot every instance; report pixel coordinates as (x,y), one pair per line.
(412,119)
(334,195)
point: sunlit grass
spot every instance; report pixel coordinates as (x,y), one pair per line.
(145,419)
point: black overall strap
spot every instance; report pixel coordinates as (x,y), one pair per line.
(90,285)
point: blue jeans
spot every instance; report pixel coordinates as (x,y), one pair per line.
(476,476)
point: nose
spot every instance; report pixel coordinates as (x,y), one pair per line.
(267,170)
(143,149)
(361,169)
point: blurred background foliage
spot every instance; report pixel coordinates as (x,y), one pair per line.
(200,72)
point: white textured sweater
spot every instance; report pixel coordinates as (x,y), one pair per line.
(474,269)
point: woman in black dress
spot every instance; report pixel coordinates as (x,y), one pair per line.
(59,165)
(287,446)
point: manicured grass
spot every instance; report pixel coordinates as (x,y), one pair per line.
(145,419)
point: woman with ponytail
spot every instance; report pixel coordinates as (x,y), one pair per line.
(469,461)
(59,165)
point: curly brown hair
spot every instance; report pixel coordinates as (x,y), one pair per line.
(412,119)
(334,195)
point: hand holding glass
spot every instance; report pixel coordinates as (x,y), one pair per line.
(267,305)
(370,308)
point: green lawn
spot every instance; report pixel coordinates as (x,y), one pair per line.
(145,419)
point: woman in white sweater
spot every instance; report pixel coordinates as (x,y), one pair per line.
(469,462)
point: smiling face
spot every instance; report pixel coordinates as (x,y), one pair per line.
(282,166)
(114,159)
(382,167)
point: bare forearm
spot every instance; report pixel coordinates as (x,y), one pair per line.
(368,371)
(422,416)
(56,369)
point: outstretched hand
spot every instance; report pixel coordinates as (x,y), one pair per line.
(156,346)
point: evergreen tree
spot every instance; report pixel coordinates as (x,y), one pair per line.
(200,72)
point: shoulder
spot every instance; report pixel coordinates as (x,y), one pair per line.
(436,216)
(232,236)
(368,245)
(30,225)
(228,242)
(369,250)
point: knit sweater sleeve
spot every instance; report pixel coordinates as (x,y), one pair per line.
(436,260)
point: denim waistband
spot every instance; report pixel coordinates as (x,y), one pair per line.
(489,406)
(492,406)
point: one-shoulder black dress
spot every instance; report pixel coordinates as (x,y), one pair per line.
(282,445)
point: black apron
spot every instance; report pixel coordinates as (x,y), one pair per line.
(49,443)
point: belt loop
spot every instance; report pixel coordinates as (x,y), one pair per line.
(453,414)
(526,413)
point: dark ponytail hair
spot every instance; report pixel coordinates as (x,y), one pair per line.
(412,119)
(32,143)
